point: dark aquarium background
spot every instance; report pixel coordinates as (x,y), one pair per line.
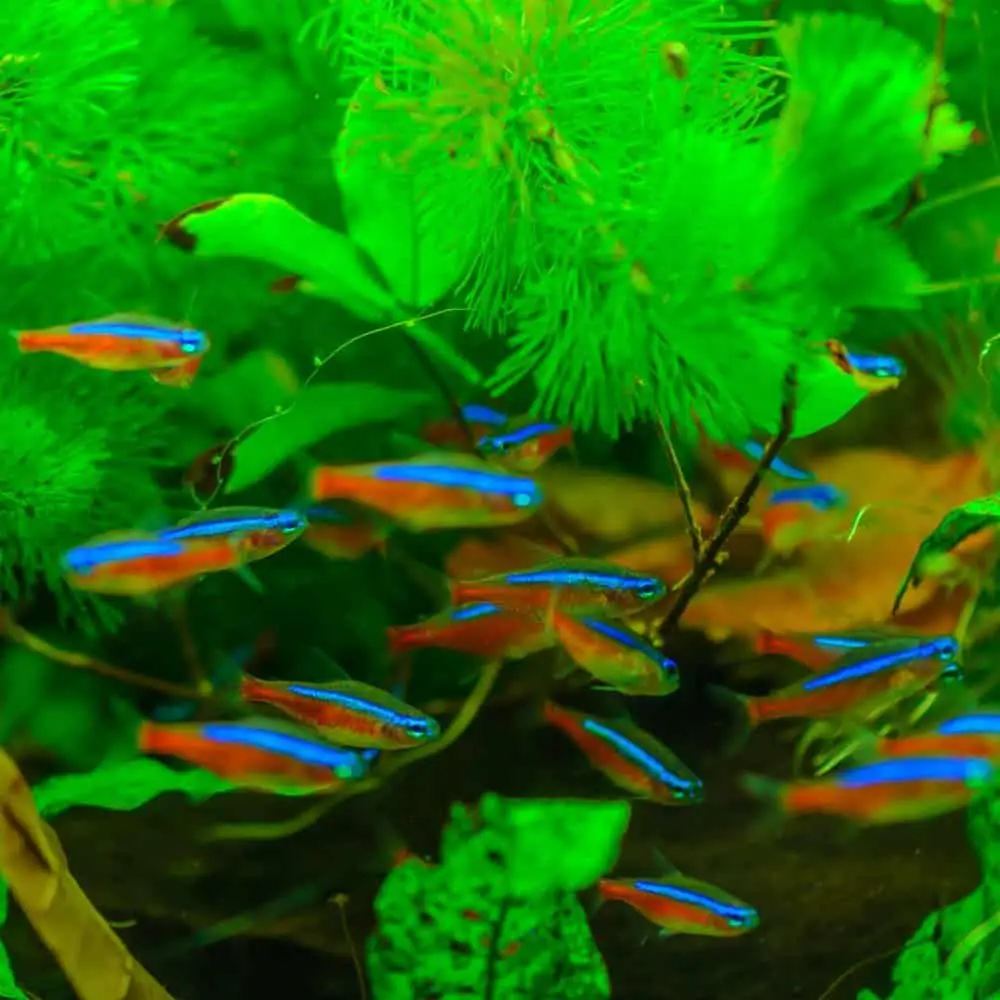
(497,499)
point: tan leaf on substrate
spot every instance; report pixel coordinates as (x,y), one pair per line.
(94,959)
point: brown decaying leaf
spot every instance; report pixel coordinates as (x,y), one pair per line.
(94,959)
(844,584)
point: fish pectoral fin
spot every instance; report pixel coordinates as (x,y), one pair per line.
(665,867)
(179,376)
(250,578)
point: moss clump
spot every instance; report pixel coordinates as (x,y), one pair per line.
(79,453)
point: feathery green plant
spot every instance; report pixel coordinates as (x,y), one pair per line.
(79,450)
(653,245)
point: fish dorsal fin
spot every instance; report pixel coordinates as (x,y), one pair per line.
(332,671)
(665,868)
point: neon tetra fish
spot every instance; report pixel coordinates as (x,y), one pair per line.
(341,534)
(581,586)
(871,372)
(799,514)
(889,791)
(349,712)
(891,671)
(525,445)
(485,629)
(479,421)
(170,352)
(259,754)
(614,655)
(629,757)
(255,532)
(682,905)
(819,651)
(745,457)
(973,734)
(433,492)
(138,563)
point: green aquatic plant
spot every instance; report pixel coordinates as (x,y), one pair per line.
(604,225)
(498,916)
(79,455)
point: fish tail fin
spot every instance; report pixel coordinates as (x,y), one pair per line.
(401,639)
(766,642)
(433,583)
(537,711)
(148,736)
(772,793)
(740,710)
(593,898)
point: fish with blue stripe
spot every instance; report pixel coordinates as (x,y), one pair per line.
(255,532)
(897,790)
(483,629)
(628,756)
(678,904)
(340,532)
(615,655)
(871,372)
(477,420)
(137,564)
(578,585)
(971,734)
(800,514)
(347,712)
(258,753)
(888,671)
(433,492)
(171,352)
(525,445)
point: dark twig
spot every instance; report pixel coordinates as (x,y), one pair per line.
(489,987)
(917,192)
(431,370)
(738,509)
(683,489)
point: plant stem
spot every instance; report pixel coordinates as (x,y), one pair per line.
(917,194)
(738,509)
(489,985)
(683,489)
(389,765)
(81,661)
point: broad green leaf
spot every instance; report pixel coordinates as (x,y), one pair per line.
(825,395)
(512,864)
(124,787)
(955,527)
(558,845)
(265,228)
(317,412)
(257,384)
(404,217)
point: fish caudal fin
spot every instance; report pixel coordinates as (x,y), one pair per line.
(740,712)
(770,792)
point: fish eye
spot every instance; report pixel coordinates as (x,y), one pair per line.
(354,769)
(191,342)
(523,499)
(647,591)
(952,672)
(689,793)
(494,445)
(422,729)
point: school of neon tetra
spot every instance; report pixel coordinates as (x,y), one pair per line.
(320,736)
